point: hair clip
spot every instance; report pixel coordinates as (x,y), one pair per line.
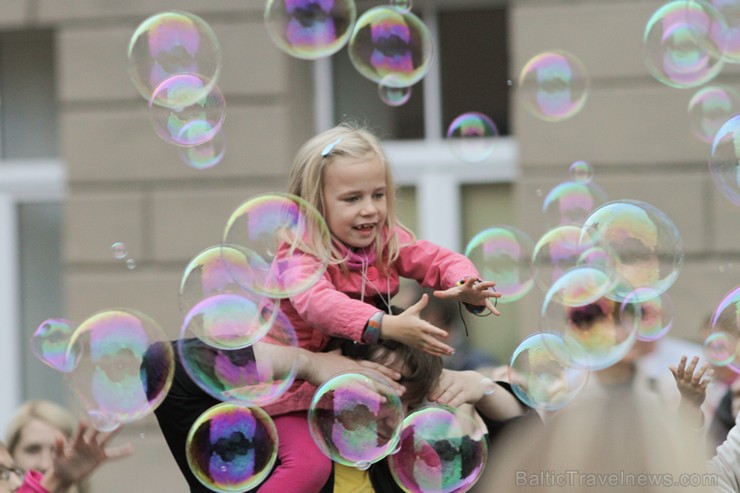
(330,147)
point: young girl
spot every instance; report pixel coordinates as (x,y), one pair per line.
(345,174)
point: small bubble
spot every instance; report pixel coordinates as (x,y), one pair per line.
(119,250)
(130,264)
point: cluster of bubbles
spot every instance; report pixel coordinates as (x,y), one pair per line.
(604,268)
(686,44)
(174,61)
(387,44)
(117,361)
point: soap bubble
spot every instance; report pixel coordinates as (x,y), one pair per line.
(173,43)
(543,373)
(125,367)
(50,342)
(386,41)
(310,29)
(355,418)
(232,448)
(442,450)
(554,85)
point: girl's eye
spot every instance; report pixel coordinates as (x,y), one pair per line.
(379,195)
(350,199)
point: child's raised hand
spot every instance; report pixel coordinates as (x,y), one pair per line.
(472,292)
(410,329)
(692,385)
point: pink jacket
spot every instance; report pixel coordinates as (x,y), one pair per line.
(332,306)
(32,483)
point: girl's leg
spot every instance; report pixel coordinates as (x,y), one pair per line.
(303,467)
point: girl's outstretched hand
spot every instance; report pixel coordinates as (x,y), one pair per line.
(691,385)
(410,329)
(472,292)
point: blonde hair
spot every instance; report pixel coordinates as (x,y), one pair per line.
(47,411)
(306,180)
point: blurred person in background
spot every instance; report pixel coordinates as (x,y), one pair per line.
(31,436)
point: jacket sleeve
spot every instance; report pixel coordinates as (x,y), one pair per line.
(726,463)
(32,483)
(431,265)
(325,308)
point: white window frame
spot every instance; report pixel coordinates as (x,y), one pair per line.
(427,164)
(31,181)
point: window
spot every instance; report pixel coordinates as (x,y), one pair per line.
(460,79)
(31,192)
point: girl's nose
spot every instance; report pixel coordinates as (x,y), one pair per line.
(368,208)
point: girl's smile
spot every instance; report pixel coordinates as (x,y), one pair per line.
(355,200)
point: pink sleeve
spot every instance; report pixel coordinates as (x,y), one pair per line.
(431,265)
(32,483)
(325,308)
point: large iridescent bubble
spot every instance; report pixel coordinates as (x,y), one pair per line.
(288,239)
(255,375)
(724,161)
(503,254)
(125,366)
(232,448)
(471,137)
(387,41)
(217,269)
(190,116)
(709,108)
(726,321)
(678,47)
(50,341)
(443,449)
(597,331)
(217,309)
(173,43)
(647,246)
(310,29)
(543,374)
(571,202)
(355,419)
(554,85)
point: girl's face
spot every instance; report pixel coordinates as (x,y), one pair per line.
(355,200)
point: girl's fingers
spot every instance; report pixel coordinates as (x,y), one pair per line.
(491,307)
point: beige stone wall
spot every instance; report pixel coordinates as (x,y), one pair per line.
(127,185)
(634,132)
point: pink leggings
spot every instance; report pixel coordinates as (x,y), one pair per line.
(303,467)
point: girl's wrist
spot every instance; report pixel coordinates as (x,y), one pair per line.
(373,327)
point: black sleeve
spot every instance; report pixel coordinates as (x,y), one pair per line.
(184,403)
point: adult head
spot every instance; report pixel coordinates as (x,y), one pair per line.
(32,433)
